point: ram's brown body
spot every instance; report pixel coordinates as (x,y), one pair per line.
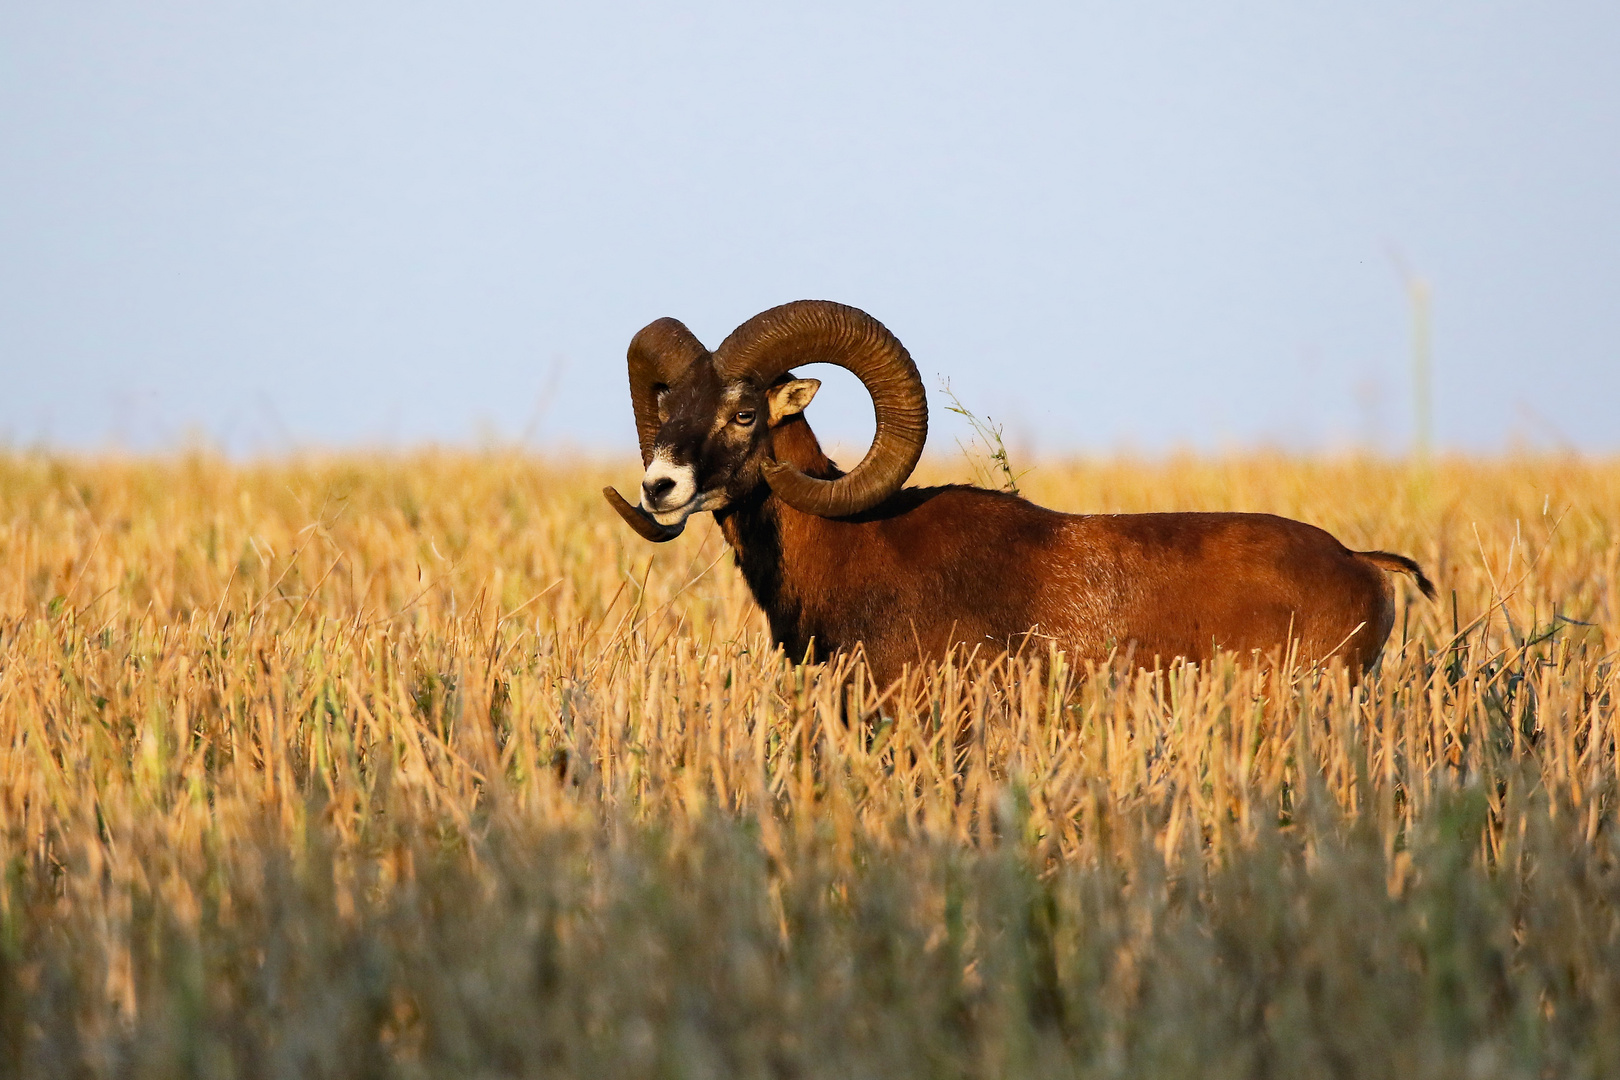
(932,568)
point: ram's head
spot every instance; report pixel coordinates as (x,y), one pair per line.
(705,419)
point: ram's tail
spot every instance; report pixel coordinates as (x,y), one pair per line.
(1400,564)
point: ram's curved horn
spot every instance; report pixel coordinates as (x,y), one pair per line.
(659,352)
(820,331)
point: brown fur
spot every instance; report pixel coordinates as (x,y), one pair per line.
(934,568)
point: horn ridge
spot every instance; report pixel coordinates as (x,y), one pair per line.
(822,331)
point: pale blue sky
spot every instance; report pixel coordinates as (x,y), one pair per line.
(1137,225)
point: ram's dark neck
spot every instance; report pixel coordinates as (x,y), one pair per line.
(754,529)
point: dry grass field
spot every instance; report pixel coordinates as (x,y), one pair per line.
(425,766)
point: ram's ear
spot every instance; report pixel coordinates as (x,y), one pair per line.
(791,398)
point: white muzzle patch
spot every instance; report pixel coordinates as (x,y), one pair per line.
(673,502)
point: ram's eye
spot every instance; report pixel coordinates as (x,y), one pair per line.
(745,417)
